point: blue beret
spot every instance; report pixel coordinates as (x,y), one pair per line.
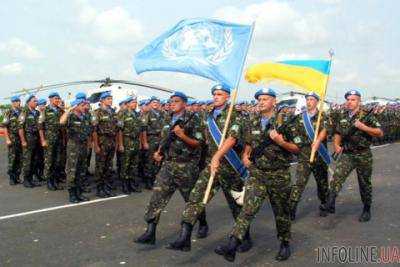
(122,102)
(80,95)
(42,102)
(78,101)
(265,91)
(30,97)
(209,102)
(15,98)
(153,98)
(54,94)
(222,87)
(313,95)
(180,95)
(130,99)
(104,95)
(352,92)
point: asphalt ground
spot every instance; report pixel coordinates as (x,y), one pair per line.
(101,233)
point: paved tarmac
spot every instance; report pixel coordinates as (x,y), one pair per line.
(101,233)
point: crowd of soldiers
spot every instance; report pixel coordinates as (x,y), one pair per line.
(174,145)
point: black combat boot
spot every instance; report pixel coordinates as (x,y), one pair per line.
(50,184)
(366,214)
(293,210)
(183,242)
(246,243)
(331,201)
(108,191)
(149,237)
(134,187)
(13,180)
(229,251)
(57,185)
(72,195)
(284,251)
(100,191)
(323,210)
(202,231)
(125,187)
(28,183)
(79,194)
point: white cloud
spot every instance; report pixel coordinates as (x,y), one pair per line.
(18,48)
(11,69)
(96,52)
(111,25)
(278,22)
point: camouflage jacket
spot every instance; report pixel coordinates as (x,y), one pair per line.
(274,157)
(178,150)
(49,121)
(130,124)
(104,122)
(360,140)
(78,127)
(154,122)
(10,120)
(29,121)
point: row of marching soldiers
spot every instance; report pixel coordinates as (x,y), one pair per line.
(181,148)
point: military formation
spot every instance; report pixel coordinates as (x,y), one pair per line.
(175,145)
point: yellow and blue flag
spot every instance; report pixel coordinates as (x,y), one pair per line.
(308,75)
(208,48)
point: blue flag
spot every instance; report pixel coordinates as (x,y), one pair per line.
(208,48)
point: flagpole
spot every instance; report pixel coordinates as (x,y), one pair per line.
(321,104)
(228,117)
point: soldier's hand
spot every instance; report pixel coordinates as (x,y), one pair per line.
(44,143)
(315,145)
(214,165)
(157,156)
(276,137)
(8,142)
(145,146)
(358,124)
(121,148)
(178,131)
(246,162)
(97,149)
(338,149)
(24,143)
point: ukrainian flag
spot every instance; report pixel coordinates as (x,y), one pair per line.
(308,75)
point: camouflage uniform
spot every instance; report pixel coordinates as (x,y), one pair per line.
(154,122)
(131,126)
(269,176)
(49,122)
(179,169)
(226,177)
(78,132)
(304,168)
(356,155)
(105,122)
(10,121)
(29,121)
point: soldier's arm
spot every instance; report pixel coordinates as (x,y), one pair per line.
(337,143)
(119,141)
(4,125)
(192,142)
(246,155)
(41,129)
(372,131)
(7,135)
(64,117)
(21,132)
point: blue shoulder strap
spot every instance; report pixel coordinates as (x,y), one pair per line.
(323,151)
(232,157)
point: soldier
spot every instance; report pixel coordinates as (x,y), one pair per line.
(180,146)
(130,134)
(50,139)
(227,177)
(153,121)
(104,121)
(268,144)
(78,132)
(122,107)
(10,124)
(28,132)
(352,139)
(39,163)
(303,132)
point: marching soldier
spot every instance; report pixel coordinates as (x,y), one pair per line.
(104,122)
(28,131)
(227,177)
(268,145)
(180,149)
(10,124)
(50,137)
(130,134)
(303,132)
(78,133)
(352,139)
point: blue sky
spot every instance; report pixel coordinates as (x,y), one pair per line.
(47,41)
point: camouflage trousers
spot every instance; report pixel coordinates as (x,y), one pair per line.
(362,163)
(275,185)
(226,178)
(30,155)
(75,166)
(14,157)
(303,171)
(172,176)
(105,160)
(52,157)
(129,159)
(151,167)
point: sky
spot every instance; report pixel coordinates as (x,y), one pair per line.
(46,41)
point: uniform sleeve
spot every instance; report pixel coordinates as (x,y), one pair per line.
(120,120)
(198,129)
(42,116)
(21,120)
(373,122)
(235,128)
(95,120)
(6,119)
